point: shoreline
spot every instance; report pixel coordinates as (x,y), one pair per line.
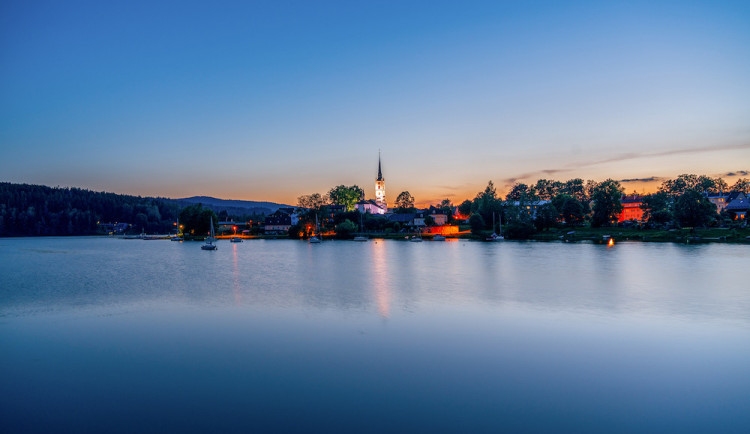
(594,235)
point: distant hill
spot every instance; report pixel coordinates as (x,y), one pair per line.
(32,210)
(232,207)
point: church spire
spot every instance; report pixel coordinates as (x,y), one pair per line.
(380,173)
(380,189)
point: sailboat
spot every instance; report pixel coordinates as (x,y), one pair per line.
(361,230)
(316,239)
(417,238)
(210,240)
(494,236)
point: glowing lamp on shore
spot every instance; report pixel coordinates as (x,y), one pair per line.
(611,242)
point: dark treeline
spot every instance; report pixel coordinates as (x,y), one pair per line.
(32,210)
(679,202)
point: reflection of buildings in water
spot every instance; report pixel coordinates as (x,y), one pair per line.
(236,276)
(380,279)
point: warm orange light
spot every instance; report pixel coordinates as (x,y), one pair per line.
(445,230)
(611,242)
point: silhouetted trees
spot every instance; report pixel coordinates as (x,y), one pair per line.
(31,210)
(656,208)
(346,195)
(743,185)
(405,202)
(196,220)
(606,196)
(693,209)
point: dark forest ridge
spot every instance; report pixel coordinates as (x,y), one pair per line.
(247,206)
(31,210)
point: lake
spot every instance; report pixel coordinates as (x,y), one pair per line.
(111,335)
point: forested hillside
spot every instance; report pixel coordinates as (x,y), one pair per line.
(30,210)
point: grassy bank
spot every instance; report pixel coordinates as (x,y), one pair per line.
(686,235)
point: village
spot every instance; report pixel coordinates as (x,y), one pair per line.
(689,201)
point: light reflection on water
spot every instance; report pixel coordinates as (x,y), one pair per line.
(384,335)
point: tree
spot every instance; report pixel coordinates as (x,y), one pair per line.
(700,183)
(606,196)
(656,208)
(546,217)
(575,188)
(345,229)
(569,209)
(197,220)
(546,189)
(429,220)
(719,186)
(405,202)
(743,185)
(520,192)
(487,204)
(477,223)
(693,209)
(30,210)
(446,206)
(346,195)
(465,208)
(311,201)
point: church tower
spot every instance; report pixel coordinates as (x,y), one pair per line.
(380,188)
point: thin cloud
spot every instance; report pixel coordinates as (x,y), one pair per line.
(649,179)
(510,181)
(737,173)
(631,156)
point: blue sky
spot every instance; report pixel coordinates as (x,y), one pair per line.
(271,100)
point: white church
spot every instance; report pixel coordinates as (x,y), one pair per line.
(379,205)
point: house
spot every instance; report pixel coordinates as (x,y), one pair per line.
(408,219)
(530,206)
(439,215)
(280,221)
(739,206)
(370,206)
(720,200)
(631,208)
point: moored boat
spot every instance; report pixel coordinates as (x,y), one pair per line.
(210,240)
(316,239)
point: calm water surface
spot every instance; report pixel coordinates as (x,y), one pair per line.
(109,335)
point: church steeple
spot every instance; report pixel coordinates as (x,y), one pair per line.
(380,173)
(380,188)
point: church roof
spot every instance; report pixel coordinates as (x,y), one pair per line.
(380,172)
